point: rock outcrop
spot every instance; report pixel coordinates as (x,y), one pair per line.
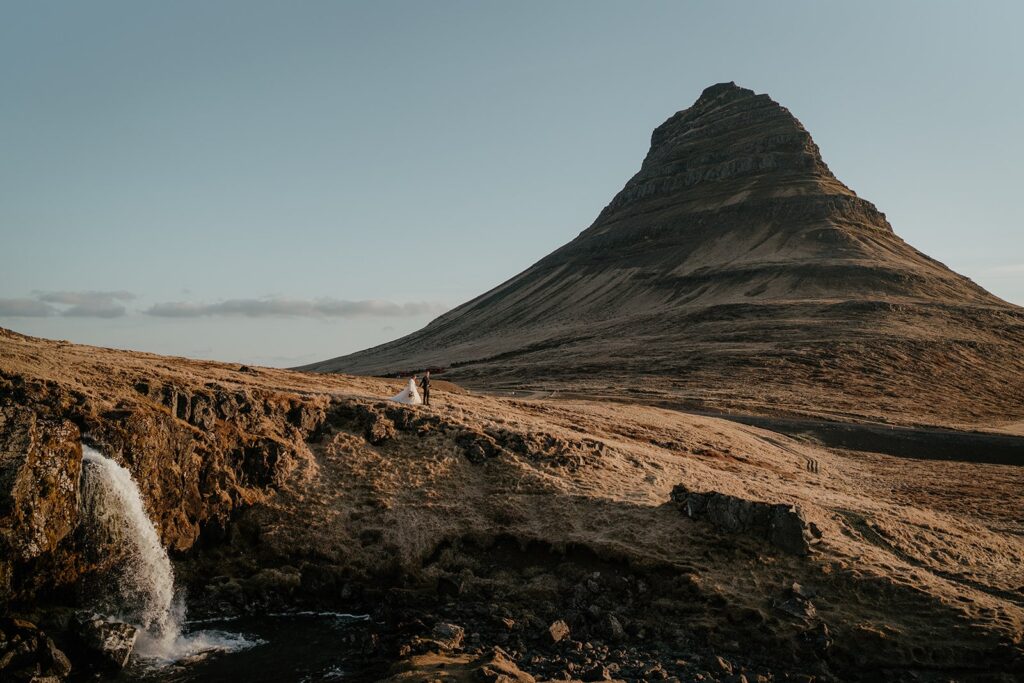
(197,453)
(735,271)
(780,524)
(40,463)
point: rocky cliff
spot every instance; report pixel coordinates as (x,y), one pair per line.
(735,271)
(198,448)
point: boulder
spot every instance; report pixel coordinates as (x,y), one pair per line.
(780,524)
(558,631)
(105,645)
(448,636)
(27,654)
(613,629)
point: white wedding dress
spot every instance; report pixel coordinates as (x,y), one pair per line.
(409,394)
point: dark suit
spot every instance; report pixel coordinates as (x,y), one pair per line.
(425,386)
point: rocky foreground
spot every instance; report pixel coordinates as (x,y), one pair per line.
(499,539)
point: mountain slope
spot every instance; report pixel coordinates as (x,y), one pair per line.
(735,271)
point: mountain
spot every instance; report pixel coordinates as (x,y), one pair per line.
(735,271)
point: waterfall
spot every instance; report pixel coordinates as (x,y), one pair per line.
(140,588)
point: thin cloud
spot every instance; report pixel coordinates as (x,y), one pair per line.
(88,298)
(25,308)
(95,309)
(276,307)
(87,304)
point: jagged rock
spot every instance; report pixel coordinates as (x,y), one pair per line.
(107,645)
(558,631)
(28,654)
(802,609)
(818,637)
(40,463)
(613,628)
(55,661)
(782,525)
(655,673)
(477,446)
(448,636)
(374,420)
(722,665)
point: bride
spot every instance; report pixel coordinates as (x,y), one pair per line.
(409,394)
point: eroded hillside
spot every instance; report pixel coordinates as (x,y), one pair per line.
(662,540)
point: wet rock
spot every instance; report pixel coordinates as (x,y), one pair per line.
(27,654)
(558,631)
(106,645)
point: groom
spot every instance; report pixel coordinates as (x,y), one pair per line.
(425,386)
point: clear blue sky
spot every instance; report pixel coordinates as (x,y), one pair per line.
(257,172)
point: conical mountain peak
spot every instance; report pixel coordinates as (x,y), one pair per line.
(732,259)
(730,145)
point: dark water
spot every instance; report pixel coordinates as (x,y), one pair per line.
(301,646)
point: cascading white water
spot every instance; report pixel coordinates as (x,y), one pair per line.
(141,586)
